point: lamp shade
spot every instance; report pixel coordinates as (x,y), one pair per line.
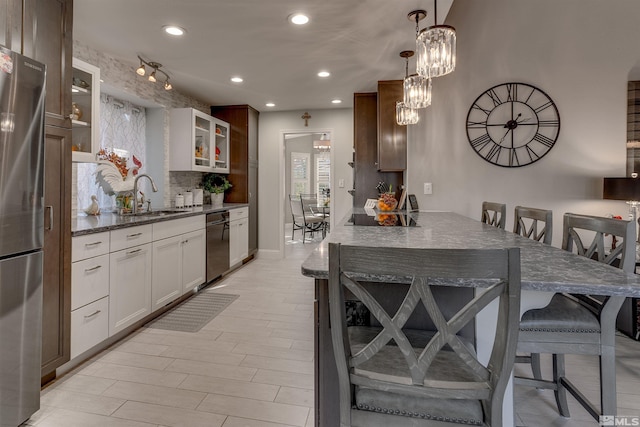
(621,189)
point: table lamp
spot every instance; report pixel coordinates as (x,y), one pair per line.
(627,189)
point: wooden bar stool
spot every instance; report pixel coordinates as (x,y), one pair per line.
(581,324)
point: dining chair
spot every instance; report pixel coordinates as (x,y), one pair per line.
(390,375)
(581,324)
(535,224)
(494,214)
(302,220)
(308,201)
(310,206)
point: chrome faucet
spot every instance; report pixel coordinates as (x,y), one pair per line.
(135,191)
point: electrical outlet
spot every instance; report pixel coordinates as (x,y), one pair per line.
(341,183)
(428,189)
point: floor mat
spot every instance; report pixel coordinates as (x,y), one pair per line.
(194,313)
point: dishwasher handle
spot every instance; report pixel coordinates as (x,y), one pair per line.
(212,223)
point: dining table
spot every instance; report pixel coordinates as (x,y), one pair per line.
(545,270)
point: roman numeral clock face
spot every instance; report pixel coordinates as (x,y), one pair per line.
(513,124)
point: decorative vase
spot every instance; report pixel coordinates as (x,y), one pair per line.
(76,112)
(217,199)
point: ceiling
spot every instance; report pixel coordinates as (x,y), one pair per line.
(357,41)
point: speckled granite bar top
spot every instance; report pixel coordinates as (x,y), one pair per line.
(544,268)
(87,224)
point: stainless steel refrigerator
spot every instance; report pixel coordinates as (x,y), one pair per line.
(22,91)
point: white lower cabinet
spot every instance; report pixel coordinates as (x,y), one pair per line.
(166,277)
(194,260)
(238,235)
(179,261)
(89,291)
(89,326)
(119,277)
(129,286)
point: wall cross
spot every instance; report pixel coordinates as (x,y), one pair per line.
(306,116)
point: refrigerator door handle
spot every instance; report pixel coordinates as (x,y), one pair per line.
(50,209)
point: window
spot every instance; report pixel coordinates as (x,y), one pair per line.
(300,173)
(323,175)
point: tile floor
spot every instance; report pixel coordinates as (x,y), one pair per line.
(252,366)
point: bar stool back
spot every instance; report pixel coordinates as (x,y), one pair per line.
(494,214)
(536,224)
(581,324)
(389,375)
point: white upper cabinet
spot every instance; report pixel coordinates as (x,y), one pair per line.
(198,142)
(85,111)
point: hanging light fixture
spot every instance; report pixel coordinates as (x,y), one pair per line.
(141,71)
(436,48)
(155,68)
(417,87)
(405,115)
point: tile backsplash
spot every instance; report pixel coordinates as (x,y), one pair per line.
(122,125)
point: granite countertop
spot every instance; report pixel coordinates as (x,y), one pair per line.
(544,267)
(88,224)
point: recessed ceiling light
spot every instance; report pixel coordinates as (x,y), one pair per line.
(174,30)
(270,104)
(324,74)
(336,101)
(237,79)
(298,18)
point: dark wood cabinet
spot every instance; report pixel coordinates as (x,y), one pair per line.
(52,45)
(11,22)
(367,173)
(48,38)
(392,137)
(56,310)
(243,170)
(42,30)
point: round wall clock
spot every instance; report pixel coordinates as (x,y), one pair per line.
(513,124)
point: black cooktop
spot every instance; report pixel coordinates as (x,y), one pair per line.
(381,219)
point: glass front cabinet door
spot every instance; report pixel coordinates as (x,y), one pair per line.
(221,159)
(85,111)
(198,142)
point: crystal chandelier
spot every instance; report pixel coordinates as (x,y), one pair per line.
(417,88)
(406,115)
(435,48)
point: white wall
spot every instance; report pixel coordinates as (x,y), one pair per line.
(581,53)
(271,157)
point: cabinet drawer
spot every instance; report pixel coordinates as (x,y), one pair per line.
(174,227)
(129,237)
(89,245)
(89,326)
(238,213)
(89,280)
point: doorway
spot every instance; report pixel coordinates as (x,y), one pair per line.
(308,169)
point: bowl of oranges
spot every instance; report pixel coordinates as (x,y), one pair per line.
(387,202)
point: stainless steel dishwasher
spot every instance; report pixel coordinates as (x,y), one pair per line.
(217,244)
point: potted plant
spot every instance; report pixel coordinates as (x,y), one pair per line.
(216,185)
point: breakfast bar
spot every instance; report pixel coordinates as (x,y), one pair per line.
(545,270)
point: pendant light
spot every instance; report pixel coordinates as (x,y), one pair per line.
(417,88)
(436,49)
(406,115)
